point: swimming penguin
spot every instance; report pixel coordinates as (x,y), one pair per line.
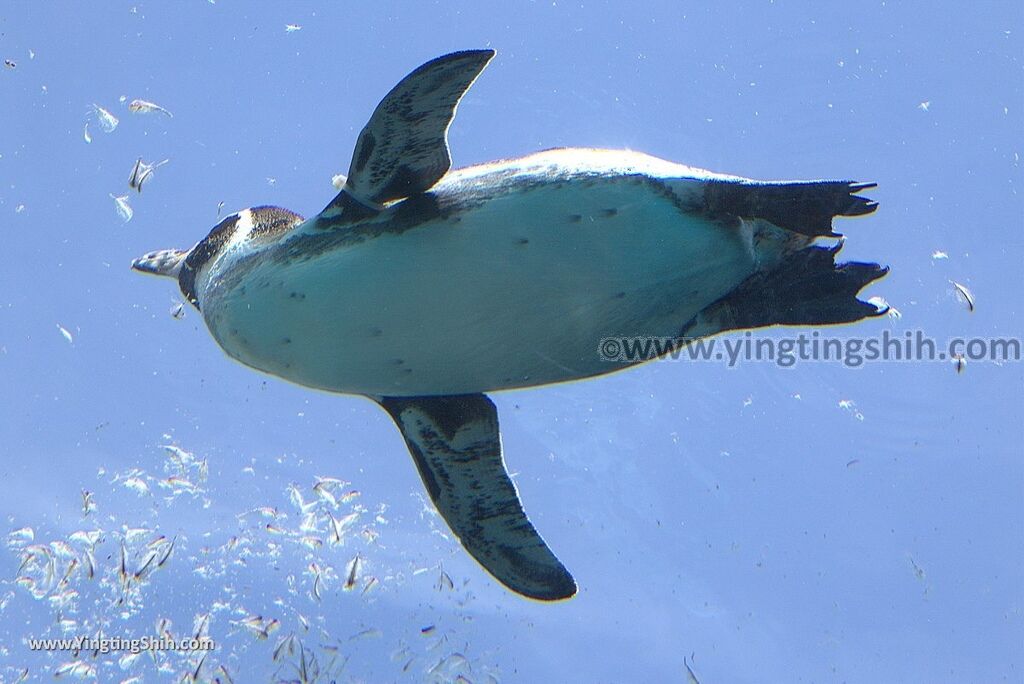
(424,288)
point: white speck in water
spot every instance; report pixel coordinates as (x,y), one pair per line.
(848,405)
(67,335)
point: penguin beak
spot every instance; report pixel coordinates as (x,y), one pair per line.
(165,262)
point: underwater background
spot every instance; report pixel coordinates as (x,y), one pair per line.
(817,523)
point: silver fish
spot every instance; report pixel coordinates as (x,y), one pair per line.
(965,294)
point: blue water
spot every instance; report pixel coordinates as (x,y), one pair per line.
(815,524)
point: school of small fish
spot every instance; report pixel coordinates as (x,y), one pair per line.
(123,564)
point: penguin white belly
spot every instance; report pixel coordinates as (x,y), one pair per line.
(516,291)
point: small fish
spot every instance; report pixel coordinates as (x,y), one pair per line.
(145,107)
(220,206)
(199,625)
(297,499)
(142,172)
(353,573)
(10,64)
(178,483)
(324,493)
(141,572)
(310,542)
(88,504)
(62,549)
(76,668)
(370,633)
(309,523)
(136,484)
(167,553)
(316,587)
(285,646)
(65,333)
(84,538)
(122,570)
(429,629)
(265,512)
(370,584)
(340,527)
(444,581)
(178,311)
(199,666)
(20,536)
(965,294)
(124,210)
(960,363)
(347,521)
(108,122)
(303,667)
(90,564)
(163,627)
(253,623)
